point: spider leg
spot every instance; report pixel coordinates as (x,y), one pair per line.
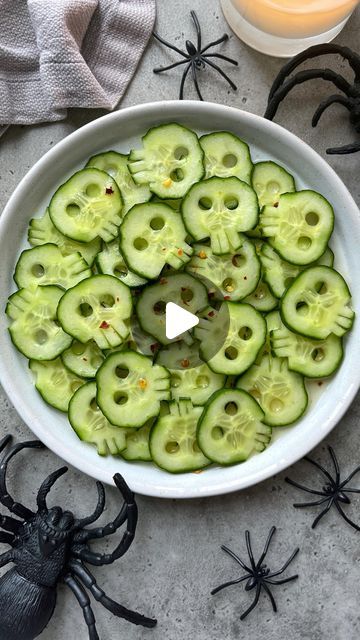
(285,566)
(198,29)
(117,609)
(221,57)
(4,441)
(348,148)
(318,466)
(335,99)
(6,538)
(322,514)
(330,449)
(228,584)
(168,44)
(6,557)
(79,524)
(5,499)
(46,486)
(253,604)
(216,42)
(181,94)
(233,555)
(100,532)
(313,52)
(84,602)
(170,66)
(273,603)
(249,549)
(194,77)
(222,73)
(266,548)
(299,78)
(10,524)
(282,581)
(352,474)
(299,505)
(301,486)
(343,514)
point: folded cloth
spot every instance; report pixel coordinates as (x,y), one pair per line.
(56,54)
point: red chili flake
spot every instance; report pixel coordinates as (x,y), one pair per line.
(180,252)
(85,359)
(211,314)
(227,297)
(183,288)
(276,205)
(211,294)
(154,347)
(163,281)
(104,325)
(109,191)
(185,363)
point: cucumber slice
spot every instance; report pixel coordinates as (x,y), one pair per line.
(220,208)
(262,299)
(45,265)
(55,383)
(140,341)
(317,304)
(98,308)
(116,165)
(279,274)
(83,359)
(86,206)
(35,331)
(173,444)
(231,428)
(179,355)
(174,204)
(311,358)
(299,227)
(151,236)
(270,180)
(181,289)
(90,425)
(273,321)
(110,261)
(246,336)
(42,231)
(235,275)
(137,443)
(280,392)
(226,155)
(170,161)
(130,388)
(197,383)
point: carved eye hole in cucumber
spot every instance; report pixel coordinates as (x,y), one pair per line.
(229,160)
(180,153)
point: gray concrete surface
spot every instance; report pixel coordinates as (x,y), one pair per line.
(176,559)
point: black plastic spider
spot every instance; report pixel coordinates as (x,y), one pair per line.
(351,100)
(333,492)
(195,58)
(258,575)
(49,546)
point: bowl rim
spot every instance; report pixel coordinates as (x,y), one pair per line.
(165,109)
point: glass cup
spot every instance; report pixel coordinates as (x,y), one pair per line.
(283,28)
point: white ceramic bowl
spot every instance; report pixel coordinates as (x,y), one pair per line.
(122,130)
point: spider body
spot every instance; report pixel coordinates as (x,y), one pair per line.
(282,85)
(50,546)
(258,575)
(196,58)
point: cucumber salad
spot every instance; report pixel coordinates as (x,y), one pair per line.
(193,221)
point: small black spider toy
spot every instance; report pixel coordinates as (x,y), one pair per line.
(49,546)
(351,100)
(196,58)
(258,575)
(332,493)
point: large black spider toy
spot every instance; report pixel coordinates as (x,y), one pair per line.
(258,575)
(196,58)
(351,100)
(332,493)
(49,546)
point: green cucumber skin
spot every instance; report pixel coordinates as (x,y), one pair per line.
(177,471)
(311,376)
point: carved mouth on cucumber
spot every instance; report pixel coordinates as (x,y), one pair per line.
(195,222)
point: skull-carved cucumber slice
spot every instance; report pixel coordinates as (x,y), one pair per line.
(299,226)
(181,289)
(111,262)
(116,165)
(153,235)
(270,180)
(173,443)
(137,443)
(42,231)
(280,392)
(46,264)
(90,424)
(35,330)
(231,427)
(317,304)
(197,383)
(226,155)
(311,358)
(83,359)
(98,308)
(130,388)
(220,208)
(245,336)
(235,275)
(170,161)
(86,206)
(262,298)
(55,383)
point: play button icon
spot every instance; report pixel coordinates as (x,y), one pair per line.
(178,320)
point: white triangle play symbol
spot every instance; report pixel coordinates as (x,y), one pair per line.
(178,320)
